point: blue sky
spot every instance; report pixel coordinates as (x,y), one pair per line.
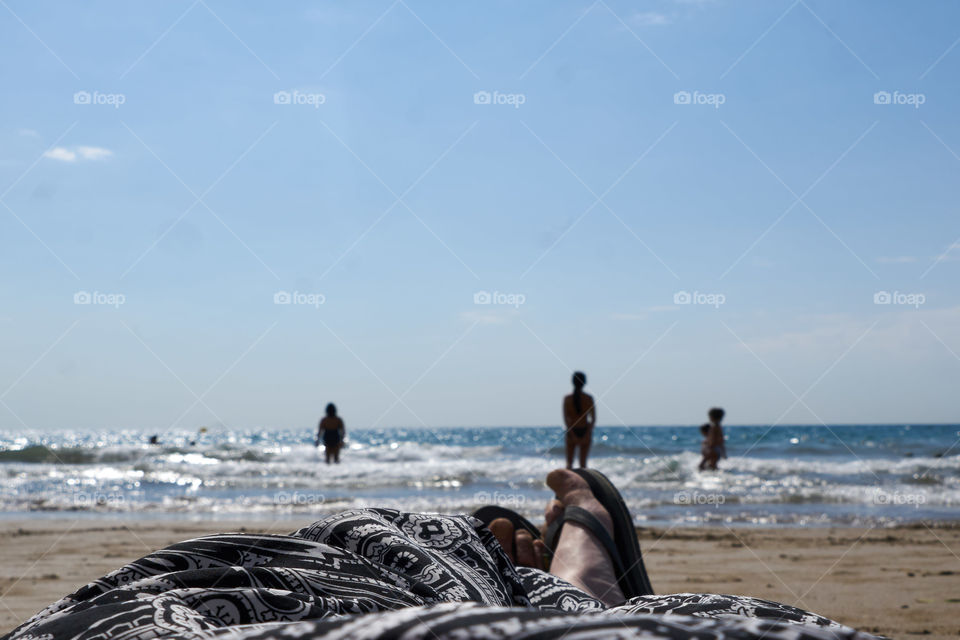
(189,191)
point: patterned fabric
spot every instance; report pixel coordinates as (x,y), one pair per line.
(380,573)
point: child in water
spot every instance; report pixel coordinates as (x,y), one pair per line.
(714,446)
(704,446)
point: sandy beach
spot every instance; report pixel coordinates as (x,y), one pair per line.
(897,582)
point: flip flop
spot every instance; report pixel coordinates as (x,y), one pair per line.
(623,548)
(491,512)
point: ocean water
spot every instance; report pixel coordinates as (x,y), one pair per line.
(782,476)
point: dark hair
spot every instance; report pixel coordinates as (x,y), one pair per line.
(579,380)
(716,414)
(331,409)
(705,428)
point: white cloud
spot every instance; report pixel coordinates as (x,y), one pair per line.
(831,333)
(665,308)
(650,19)
(94,153)
(950,254)
(60,153)
(28,133)
(488,317)
(896,260)
(330,15)
(825,337)
(82,153)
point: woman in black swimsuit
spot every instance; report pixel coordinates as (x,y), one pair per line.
(331,430)
(579,416)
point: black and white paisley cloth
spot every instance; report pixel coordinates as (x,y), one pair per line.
(381,573)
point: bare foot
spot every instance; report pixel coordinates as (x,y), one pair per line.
(579,558)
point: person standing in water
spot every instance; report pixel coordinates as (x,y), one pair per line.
(579,416)
(705,450)
(331,430)
(715,444)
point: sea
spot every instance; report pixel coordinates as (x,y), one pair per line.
(781,476)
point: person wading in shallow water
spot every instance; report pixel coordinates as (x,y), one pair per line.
(579,416)
(715,446)
(331,430)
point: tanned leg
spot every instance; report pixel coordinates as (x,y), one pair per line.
(584,451)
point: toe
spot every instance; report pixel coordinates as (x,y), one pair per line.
(553,511)
(568,486)
(526,557)
(540,551)
(502,529)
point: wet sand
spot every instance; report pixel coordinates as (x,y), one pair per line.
(898,582)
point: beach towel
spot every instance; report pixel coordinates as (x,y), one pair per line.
(382,573)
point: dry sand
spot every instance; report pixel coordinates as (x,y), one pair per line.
(897,582)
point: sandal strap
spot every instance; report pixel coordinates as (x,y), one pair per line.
(552,535)
(592,523)
(595,527)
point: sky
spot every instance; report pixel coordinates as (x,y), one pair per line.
(431,213)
